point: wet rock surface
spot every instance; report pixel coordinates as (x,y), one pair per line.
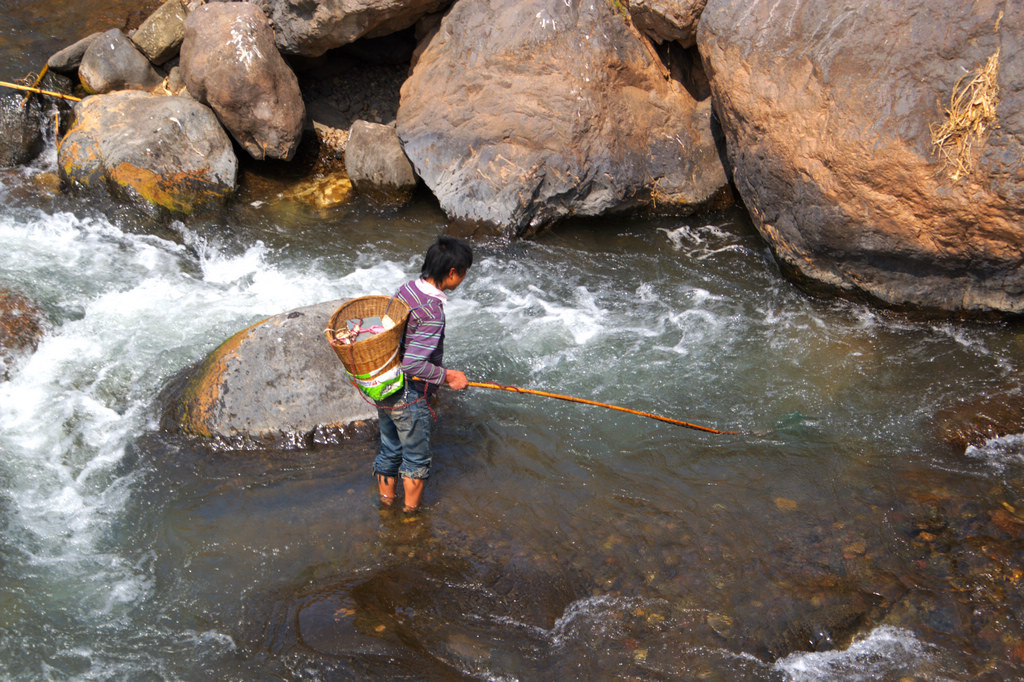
(830,113)
(22,324)
(981,419)
(165,151)
(506,132)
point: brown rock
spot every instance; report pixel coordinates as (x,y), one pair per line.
(327,24)
(229,61)
(975,421)
(160,35)
(668,20)
(22,325)
(506,129)
(829,111)
(168,151)
(376,163)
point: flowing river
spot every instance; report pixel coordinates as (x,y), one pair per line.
(833,537)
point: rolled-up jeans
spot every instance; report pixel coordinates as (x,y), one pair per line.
(404,419)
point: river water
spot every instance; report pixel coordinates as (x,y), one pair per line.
(834,537)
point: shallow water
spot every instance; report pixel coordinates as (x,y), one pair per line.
(834,538)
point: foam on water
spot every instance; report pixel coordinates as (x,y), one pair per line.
(1000,453)
(127,312)
(885,653)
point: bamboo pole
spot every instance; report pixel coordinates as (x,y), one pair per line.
(27,88)
(515,389)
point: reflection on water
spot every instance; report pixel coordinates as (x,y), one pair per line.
(834,538)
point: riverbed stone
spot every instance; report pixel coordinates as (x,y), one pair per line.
(509,132)
(21,135)
(112,62)
(228,60)
(68,59)
(311,29)
(168,151)
(22,324)
(976,420)
(376,163)
(160,35)
(278,381)
(830,111)
(668,20)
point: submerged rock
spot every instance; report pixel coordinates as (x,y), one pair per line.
(229,61)
(277,380)
(168,151)
(831,112)
(508,131)
(976,421)
(22,325)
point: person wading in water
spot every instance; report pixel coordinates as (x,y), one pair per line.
(404,416)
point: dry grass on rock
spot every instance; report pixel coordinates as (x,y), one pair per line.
(971,113)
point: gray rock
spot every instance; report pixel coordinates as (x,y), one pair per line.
(69,59)
(228,60)
(311,29)
(668,20)
(829,111)
(112,62)
(376,163)
(278,379)
(507,130)
(160,35)
(168,151)
(21,135)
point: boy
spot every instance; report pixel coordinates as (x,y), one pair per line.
(404,416)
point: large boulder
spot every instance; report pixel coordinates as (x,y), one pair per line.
(112,62)
(832,112)
(310,29)
(668,20)
(376,163)
(518,114)
(277,381)
(169,151)
(228,60)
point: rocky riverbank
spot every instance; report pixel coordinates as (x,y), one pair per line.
(876,150)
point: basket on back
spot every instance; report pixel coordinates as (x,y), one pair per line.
(374,363)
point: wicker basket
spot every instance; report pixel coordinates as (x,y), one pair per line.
(378,353)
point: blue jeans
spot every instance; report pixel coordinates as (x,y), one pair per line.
(404,420)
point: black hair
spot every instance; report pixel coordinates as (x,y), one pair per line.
(443,255)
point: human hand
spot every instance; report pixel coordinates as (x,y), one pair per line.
(455,379)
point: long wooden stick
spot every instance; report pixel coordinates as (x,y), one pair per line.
(40,92)
(516,389)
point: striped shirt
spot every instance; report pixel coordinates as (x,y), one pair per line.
(423,343)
